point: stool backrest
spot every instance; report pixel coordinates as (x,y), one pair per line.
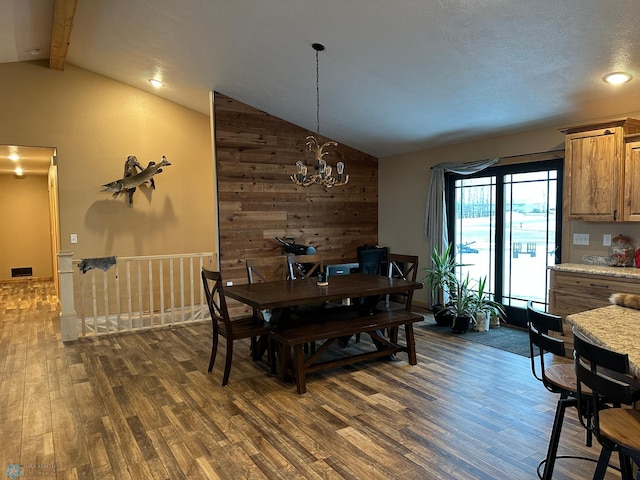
(540,342)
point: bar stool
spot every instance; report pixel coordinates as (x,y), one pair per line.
(606,374)
(557,378)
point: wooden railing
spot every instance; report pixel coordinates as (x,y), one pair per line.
(141,292)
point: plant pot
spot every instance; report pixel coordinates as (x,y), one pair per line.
(495,322)
(461,324)
(443,316)
(482,322)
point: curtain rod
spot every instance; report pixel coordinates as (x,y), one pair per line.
(552,153)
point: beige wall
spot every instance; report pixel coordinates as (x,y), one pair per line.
(24,216)
(404,181)
(95,123)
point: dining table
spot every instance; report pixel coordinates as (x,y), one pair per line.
(320,309)
(614,327)
(294,293)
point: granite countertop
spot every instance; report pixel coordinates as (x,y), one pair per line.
(614,327)
(618,272)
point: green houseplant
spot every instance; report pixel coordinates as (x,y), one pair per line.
(463,305)
(485,307)
(440,278)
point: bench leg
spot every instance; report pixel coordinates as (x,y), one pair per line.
(285,361)
(298,368)
(411,344)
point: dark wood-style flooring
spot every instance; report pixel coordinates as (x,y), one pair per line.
(142,406)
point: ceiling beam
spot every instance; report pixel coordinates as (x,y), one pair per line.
(64,11)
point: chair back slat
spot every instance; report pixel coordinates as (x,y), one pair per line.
(214,293)
(305,266)
(266,269)
(403,266)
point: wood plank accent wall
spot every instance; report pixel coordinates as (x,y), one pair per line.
(255,156)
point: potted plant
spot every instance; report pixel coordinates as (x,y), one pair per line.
(440,277)
(462,306)
(485,307)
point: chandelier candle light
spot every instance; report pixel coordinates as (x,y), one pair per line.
(322,171)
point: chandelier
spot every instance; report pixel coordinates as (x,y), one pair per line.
(322,172)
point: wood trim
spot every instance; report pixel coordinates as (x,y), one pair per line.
(63,14)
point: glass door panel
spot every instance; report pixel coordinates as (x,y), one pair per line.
(505,226)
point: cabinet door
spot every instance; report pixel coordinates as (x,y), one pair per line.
(593,167)
(632,182)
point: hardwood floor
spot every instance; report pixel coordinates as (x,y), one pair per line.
(142,406)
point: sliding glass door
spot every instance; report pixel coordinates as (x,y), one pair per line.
(505,224)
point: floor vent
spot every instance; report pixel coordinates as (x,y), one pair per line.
(22,272)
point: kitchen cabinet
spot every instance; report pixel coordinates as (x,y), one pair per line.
(631,210)
(576,288)
(594,170)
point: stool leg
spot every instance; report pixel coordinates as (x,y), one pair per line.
(603,462)
(563,403)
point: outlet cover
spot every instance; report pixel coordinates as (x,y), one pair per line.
(606,240)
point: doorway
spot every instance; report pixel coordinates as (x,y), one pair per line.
(30,237)
(505,223)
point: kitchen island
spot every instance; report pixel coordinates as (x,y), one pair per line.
(577,288)
(613,327)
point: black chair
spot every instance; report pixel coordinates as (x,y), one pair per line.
(558,378)
(605,374)
(371,259)
(245,327)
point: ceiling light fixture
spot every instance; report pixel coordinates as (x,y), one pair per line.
(19,171)
(156,83)
(322,171)
(617,78)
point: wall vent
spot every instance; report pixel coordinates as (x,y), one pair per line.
(22,272)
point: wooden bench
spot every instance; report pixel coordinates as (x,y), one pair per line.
(337,326)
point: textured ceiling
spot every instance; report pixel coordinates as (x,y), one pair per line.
(396,76)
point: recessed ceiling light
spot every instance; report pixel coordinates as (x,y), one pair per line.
(156,83)
(616,78)
(14,157)
(19,171)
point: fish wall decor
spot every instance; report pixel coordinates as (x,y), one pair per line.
(133,178)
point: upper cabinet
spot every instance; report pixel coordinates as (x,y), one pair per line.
(631,210)
(594,172)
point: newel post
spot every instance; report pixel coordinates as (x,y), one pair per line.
(68,317)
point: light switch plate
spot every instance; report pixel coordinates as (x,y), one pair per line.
(581,239)
(73,238)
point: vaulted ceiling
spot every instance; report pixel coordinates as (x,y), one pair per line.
(395,77)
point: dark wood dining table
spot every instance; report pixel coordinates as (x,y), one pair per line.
(292,293)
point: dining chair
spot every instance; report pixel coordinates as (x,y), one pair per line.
(245,327)
(266,269)
(404,267)
(370,259)
(605,374)
(304,266)
(558,378)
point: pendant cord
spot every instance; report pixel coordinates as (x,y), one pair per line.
(317,95)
